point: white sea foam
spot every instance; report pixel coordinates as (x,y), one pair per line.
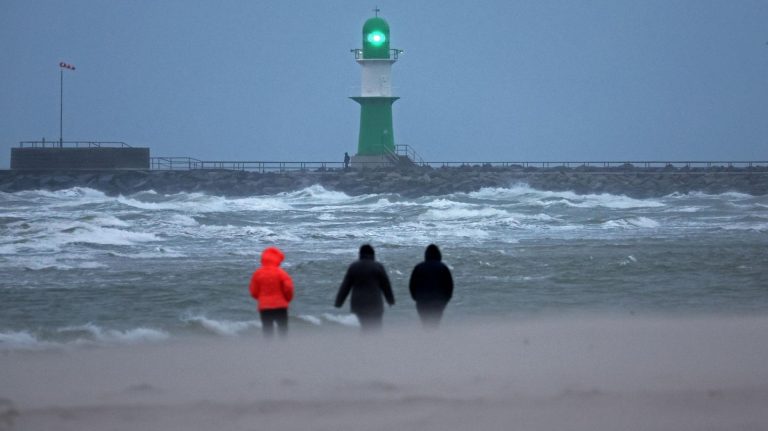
(613,201)
(39,263)
(709,196)
(136,335)
(114,336)
(197,203)
(368,205)
(88,334)
(310,319)
(534,217)
(343,319)
(182,220)
(629,260)
(21,340)
(687,209)
(318,194)
(51,235)
(756,227)
(261,233)
(223,327)
(105,220)
(513,192)
(736,195)
(74,195)
(632,223)
(445,204)
(256,204)
(90,234)
(156,253)
(402,234)
(462,213)
(527,195)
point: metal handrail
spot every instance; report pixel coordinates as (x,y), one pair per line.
(72,144)
(408,151)
(189,163)
(643,164)
(174,163)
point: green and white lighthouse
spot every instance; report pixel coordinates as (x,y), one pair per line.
(376,142)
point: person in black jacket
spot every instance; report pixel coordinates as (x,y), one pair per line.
(368,281)
(431,287)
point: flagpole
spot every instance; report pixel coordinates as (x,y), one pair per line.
(61,108)
(62,66)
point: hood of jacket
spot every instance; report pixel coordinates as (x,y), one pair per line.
(432,253)
(272,256)
(366,252)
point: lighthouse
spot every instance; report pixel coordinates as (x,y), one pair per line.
(376,141)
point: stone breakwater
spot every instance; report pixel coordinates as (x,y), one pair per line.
(411,182)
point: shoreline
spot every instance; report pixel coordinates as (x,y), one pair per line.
(412,182)
(576,373)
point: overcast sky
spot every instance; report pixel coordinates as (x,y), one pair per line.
(498,80)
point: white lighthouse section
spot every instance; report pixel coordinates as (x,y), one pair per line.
(377,77)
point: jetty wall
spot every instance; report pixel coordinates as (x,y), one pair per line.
(411,182)
(77,158)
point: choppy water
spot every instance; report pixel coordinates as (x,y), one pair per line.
(80,267)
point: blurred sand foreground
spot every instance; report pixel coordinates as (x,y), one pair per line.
(542,374)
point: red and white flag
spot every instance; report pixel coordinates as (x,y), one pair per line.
(66,66)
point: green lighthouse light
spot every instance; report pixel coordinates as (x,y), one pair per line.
(376,38)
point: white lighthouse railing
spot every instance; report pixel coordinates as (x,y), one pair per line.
(394,54)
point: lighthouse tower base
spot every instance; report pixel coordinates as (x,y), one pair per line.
(372,162)
(381,161)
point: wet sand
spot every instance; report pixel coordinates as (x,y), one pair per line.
(565,373)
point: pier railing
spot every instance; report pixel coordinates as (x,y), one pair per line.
(72,144)
(189,163)
(608,164)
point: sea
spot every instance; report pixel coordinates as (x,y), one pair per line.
(82,268)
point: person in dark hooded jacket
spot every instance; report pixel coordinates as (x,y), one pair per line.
(431,286)
(368,282)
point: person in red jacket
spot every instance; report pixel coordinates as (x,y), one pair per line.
(272,288)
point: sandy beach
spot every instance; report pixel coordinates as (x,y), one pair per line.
(575,373)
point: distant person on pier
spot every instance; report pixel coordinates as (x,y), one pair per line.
(346,160)
(272,288)
(369,283)
(431,286)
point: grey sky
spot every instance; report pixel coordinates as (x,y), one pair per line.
(479,81)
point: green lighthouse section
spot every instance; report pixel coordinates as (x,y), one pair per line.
(376,136)
(376,39)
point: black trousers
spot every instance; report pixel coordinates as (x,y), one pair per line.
(370,322)
(272,317)
(430,313)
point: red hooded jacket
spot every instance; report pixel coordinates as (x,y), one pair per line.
(270,285)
